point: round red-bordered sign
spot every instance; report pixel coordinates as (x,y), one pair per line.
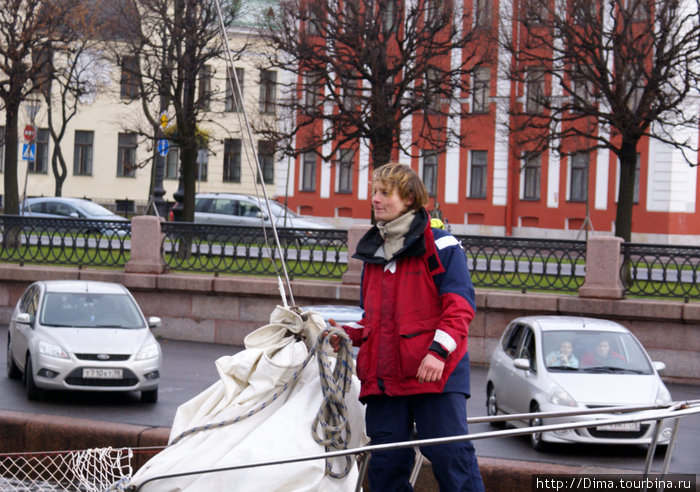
(29,133)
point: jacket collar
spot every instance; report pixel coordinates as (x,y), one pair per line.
(414,243)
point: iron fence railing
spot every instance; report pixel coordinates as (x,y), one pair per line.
(252,250)
(495,262)
(661,270)
(59,241)
(525,264)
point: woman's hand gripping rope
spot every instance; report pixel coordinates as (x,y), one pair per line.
(331,426)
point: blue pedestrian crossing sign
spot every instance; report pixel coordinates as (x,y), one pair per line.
(163,146)
(29,152)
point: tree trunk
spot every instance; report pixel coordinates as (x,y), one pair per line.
(625,195)
(11,197)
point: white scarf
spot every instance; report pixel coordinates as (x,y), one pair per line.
(394,233)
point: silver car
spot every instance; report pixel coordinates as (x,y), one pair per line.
(75,208)
(82,335)
(565,363)
(246,210)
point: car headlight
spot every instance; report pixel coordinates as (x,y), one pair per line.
(52,350)
(558,396)
(663,396)
(147,352)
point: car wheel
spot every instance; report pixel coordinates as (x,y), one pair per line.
(150,396)
(13,371)
(536,437)
(492,407)
(33,392)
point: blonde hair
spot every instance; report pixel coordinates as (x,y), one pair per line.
(396,176)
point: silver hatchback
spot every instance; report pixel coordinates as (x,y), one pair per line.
(564,363)
(82,335)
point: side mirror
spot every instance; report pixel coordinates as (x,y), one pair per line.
(75,215)
(522,363)
(154,322)
(659,366)
(23,318)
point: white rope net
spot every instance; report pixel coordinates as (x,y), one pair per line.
(88,470)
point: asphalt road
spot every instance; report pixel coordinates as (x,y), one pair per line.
(189,369)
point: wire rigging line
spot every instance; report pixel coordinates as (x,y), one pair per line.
(249,147)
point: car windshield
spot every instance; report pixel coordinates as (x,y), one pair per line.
(279,210)
(93,209)
(594,351)
(88,310)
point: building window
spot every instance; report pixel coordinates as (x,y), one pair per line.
(536,11)
(578,189)
(268,83)
(82,153)
(535,90)
(480,90)
(202,165)
(433,96)
(532,170)
(350,95)
(312,21)
(312,89)
(231,98)
(129,86)
(40,164)
(126,155)
(389,16)
(430,171)
(637,170)
(308,172)
(581,90)
(584,11)
(344,170)
(636,10)
(482,14)
(232,160)
(477,174)
(172,163)
(204,87)
(266,156)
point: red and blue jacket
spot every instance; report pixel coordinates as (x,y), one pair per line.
(419,301)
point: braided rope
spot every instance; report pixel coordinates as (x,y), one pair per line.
(331,427)
(332,415)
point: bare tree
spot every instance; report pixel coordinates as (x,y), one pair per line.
(166,56)
(604,75)
(362,69)
(75,75)
(28,30)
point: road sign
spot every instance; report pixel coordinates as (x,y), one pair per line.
(28,152)
(29,133)
(163,146)
(164,120)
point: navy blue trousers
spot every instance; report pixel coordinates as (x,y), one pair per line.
(391,419)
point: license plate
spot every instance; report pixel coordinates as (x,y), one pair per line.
(92,373)
(625,427)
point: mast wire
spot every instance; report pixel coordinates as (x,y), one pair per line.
(235,85)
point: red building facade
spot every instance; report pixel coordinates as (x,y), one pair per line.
(491,185)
